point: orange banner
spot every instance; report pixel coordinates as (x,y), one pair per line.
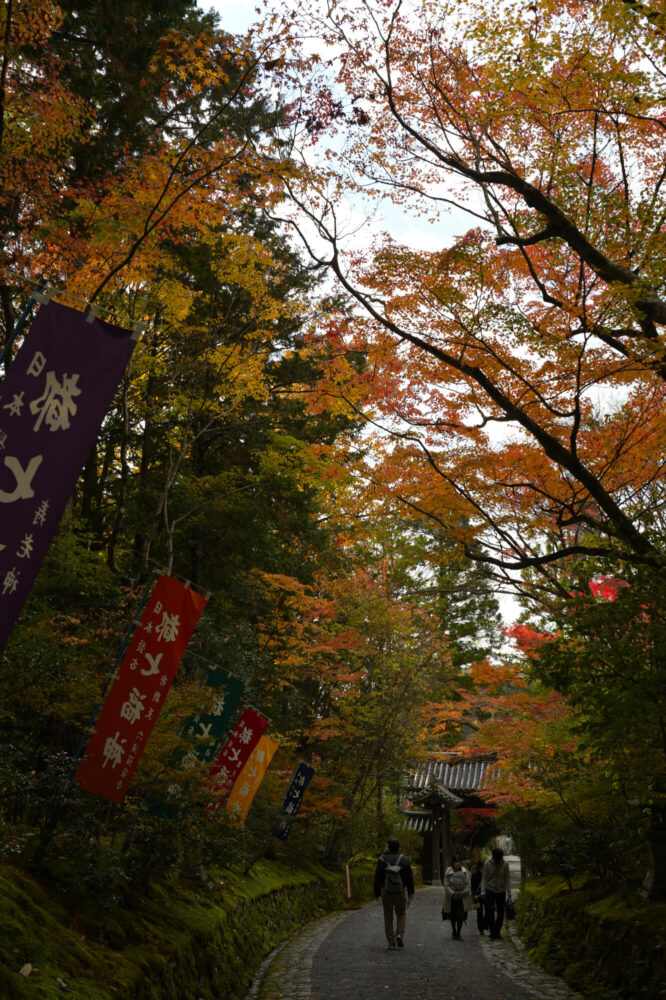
(250,778)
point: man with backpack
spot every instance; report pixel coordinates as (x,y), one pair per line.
(393,879)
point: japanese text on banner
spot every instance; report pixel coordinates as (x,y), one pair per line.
(136,697)
(235,753)
(209,727)
(292,800)
(207,730)
(248,781)
(52,403)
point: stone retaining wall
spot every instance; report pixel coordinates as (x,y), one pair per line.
(218,961)
(609,946)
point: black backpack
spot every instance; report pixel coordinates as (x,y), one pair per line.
(393,876)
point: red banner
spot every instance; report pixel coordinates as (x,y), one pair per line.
(235,753)
(137,695)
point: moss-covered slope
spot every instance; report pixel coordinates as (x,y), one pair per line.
(174,943)
(609,945)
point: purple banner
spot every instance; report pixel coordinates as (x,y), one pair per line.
(52,404)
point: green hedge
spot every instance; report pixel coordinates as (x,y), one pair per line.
(608,945)
(174,944)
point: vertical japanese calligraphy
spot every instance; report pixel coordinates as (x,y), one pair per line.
(209,727)
(136,697)
(293,799)
(248,781)
(207,730)
(235,753)
(52,403)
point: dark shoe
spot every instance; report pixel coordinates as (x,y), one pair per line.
(390,947)
(399,941)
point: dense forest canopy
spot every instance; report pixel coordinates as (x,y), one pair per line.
(353,447)
(518,368)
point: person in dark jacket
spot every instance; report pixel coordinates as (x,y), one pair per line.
(477,875)
(394,898)
(495,886)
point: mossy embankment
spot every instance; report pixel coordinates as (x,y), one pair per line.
(607,945)
(171,943)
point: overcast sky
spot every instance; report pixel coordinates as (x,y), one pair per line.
(236,16)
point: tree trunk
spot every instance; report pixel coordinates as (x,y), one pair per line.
(654,884)
(124,478)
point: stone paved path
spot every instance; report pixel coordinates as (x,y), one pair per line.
(344,957)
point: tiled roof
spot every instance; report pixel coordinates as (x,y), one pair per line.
(419,822)
(448,770)
(423,797)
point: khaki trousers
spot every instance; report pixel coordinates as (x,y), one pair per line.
(394,901)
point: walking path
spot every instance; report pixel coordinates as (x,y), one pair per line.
(344,957)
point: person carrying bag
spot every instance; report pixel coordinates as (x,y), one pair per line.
(393,879)
(457,896)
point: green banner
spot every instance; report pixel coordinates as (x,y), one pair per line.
(208,728)
(205,730)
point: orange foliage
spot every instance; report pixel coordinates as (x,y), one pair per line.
(519,366)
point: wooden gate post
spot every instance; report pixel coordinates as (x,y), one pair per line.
(436,845)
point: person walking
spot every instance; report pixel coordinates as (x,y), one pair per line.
(495,884)
(457,896)
(394,884)
(477,876)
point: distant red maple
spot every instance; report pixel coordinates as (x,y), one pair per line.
(607,587)
(525,638)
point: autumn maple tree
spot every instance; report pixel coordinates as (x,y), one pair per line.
(355,474)
(525,353)
(151,202)
(351,663)
(143,130)
(511,368)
